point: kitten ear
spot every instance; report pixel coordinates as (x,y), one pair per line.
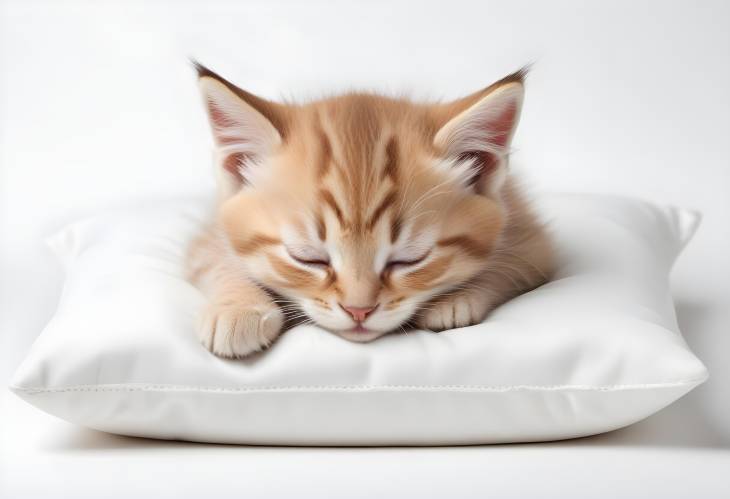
(245,127)
(479,131)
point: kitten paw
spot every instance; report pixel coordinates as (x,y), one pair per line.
(453,311)
(234,331)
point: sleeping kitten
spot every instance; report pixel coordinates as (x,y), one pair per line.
(363,214)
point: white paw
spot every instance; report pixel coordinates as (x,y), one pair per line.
(453,311)
(234,331)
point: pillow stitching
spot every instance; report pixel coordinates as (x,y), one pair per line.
(354,388)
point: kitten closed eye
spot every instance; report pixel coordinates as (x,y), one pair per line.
(321,263)
(309,257)
(406,262)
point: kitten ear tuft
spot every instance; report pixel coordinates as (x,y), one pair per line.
(202,71)
(243,125)
(479,132)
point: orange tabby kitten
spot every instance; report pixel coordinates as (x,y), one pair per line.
(362,213)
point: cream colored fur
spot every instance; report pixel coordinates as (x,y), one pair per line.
(363,214)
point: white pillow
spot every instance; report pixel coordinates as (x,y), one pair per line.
(596,349)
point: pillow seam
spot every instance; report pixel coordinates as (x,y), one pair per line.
(351,388)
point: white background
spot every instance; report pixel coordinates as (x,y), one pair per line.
(99,107)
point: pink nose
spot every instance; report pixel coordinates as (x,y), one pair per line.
(358,314)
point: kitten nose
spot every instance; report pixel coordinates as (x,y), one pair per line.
(358,314)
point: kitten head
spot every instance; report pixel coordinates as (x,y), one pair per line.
(358,209)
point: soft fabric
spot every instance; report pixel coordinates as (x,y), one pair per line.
(595,349)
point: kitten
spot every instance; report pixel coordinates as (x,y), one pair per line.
(363,214)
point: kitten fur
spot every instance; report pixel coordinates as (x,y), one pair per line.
(363,214)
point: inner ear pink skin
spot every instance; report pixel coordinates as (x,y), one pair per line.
(484,164)
(219,119)
(232,164)
(498,129)
(501,127)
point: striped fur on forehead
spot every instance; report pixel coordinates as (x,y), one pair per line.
(360,192)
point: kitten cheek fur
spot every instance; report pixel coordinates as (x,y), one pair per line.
(363,177)
(245,219)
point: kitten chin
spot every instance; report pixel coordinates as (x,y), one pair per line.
(363,214)
(360,335)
